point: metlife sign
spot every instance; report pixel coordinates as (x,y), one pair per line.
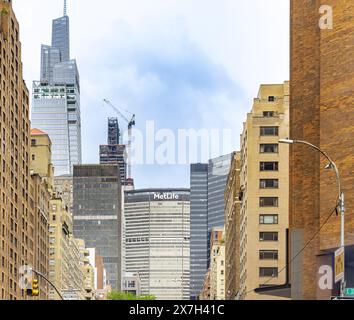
(166,196)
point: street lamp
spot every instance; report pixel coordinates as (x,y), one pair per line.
(333,166)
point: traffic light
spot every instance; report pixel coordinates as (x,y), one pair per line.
(33,289)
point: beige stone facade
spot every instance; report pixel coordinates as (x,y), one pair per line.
(232,245)
(264,190)
(217,265)
(41,189)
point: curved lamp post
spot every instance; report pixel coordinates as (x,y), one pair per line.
(340,202)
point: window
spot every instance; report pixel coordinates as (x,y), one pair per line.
(268,236)
(269,148)
(33,157)
(269,183)
(268,219)
(271,98)
(269,166)
(33,142)
(268,202)
(269,131)
(268,272)
(268,255)
(268,114)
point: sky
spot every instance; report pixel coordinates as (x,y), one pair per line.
(184,64)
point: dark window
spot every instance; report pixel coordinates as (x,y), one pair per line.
(269,184)
(268,272)
(268,202)
(268,236)
(268,219)
(33,157)
(268,114)
(269,131)
(268,255)
(271,98)
(269,166)
(33,142)
(269,148)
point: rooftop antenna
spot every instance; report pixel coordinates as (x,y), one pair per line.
(65,8)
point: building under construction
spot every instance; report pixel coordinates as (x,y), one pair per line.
(114,152)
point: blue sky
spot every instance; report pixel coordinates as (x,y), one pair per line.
(182,63)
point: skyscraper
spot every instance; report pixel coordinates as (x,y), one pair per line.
(208,182)
(199,227)
(218,171)
(157,236)
(98,215)
(56,99)
(114,152)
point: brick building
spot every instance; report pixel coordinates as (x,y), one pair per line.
(321,104)
(16,215)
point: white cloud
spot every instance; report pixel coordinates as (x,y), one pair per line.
(165,59)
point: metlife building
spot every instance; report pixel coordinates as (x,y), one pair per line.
(157,241)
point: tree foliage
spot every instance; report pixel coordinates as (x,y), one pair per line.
(116,295)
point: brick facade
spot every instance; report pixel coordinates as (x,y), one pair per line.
(321,104)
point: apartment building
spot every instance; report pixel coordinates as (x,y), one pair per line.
(264,192)
(16,215)
(66,262)
(232,245)
(217,264)
(87,271)
(41,189)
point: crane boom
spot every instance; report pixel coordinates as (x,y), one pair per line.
(131,124)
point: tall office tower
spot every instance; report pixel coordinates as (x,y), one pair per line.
(98,215)
(61,36)
(41,189)
(208,182)
(199,227)
(113,152)
(322,96)
(16,238)
(56,99)
(264,209)
(158,241)
(218,172)
(232,223)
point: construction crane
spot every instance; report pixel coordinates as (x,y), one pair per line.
(131,124)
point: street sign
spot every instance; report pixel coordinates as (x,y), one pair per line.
(349,292)
(339,265)
(70,295)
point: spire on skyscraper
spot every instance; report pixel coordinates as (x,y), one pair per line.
(65,8)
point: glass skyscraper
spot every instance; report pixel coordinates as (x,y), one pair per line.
(97,215)
(199,227)
(208,182)
(56,99)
